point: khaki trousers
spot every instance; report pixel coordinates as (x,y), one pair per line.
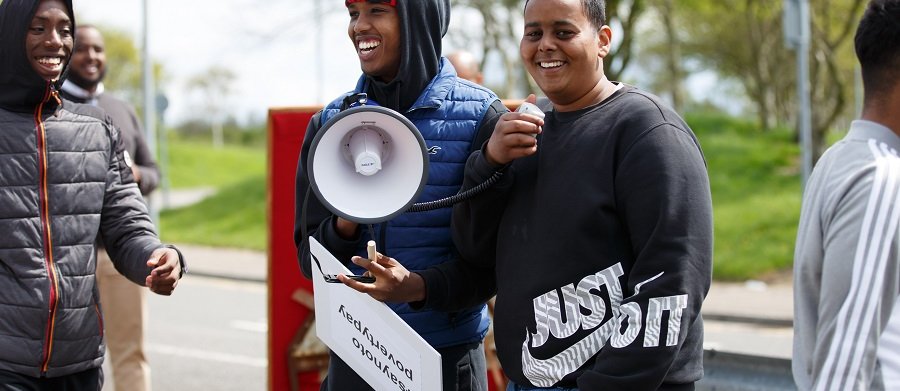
(124,314)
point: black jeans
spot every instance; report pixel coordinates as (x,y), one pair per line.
(463,368)
(89,380)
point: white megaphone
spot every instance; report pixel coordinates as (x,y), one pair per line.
(368,164)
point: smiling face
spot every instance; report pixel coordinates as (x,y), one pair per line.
(563,51)
(375,31)
(89,60)
(49,40)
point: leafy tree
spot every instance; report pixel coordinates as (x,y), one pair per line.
(214,86)
(743,40)
(659,51)
(832,65)
(625,14)
(499,38)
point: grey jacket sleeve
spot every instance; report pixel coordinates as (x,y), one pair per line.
(125,225)
(860,278)
(144,160)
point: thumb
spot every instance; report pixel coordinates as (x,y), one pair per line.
(154,258)
(532,98)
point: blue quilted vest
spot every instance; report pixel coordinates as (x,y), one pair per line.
(448,114)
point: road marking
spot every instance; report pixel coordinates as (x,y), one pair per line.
(246,325)
(209,356)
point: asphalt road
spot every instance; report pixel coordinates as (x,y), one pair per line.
(209,335)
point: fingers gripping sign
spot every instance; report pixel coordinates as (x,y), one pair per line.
(166,271)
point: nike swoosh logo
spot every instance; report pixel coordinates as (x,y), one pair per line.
(546,373)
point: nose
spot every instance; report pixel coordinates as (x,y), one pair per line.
(362,23)
(54,40)
(546,44)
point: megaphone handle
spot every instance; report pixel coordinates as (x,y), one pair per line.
(370,249)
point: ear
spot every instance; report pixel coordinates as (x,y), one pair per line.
(604,41)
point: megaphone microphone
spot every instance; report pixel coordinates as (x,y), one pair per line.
(366,147)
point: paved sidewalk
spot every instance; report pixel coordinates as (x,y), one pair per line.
(757,302)
(236,264)
(770,304)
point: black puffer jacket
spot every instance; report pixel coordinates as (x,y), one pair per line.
(63,179)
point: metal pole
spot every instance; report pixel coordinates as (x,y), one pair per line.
(803,88)
(320,68)
(149,96)
(162,103)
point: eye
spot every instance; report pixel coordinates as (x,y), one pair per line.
(564,34)
(533,35)
(354,14)
(36,29)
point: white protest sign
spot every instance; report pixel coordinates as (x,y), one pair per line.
(379,346)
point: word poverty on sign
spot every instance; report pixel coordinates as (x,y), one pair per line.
(369,336)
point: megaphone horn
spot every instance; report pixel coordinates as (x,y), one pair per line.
(368,164)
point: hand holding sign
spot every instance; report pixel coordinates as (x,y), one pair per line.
(368,335)
(393,282)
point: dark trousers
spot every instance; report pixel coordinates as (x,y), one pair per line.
(89,380)
(463,368)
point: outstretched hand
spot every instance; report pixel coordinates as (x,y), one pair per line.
(514,136)
(393,282)
(166,271)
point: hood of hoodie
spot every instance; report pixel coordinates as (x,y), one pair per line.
(21,88)
(422,25)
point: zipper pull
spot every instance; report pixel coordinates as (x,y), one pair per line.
(54,93)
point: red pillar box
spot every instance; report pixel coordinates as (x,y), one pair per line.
(290,294)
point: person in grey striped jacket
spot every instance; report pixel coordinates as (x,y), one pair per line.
(847,257)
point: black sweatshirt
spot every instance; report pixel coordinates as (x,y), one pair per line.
(603,250)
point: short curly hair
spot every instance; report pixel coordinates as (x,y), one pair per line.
(878,46)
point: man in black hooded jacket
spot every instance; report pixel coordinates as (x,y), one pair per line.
(124,303)
(63,179)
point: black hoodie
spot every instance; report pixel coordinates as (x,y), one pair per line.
(21,88)
(420,59)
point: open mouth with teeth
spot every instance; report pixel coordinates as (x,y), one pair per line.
(550,64)
(365,47)
(50,61)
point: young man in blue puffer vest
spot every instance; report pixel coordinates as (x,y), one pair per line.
(399,47)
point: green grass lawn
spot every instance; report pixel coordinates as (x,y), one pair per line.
(198,164)
(754,178)
(236,215)
(756,196)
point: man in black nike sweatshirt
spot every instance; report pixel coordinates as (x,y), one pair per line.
(598,239)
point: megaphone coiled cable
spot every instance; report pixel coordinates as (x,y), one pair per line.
(458,197)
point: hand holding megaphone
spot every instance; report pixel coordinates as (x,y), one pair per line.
(515,134)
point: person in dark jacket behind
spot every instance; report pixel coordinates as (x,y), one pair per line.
(63,179)
(124,303)
(600,229)
(399,47)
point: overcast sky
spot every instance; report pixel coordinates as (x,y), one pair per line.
(273,47)
(270,45)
